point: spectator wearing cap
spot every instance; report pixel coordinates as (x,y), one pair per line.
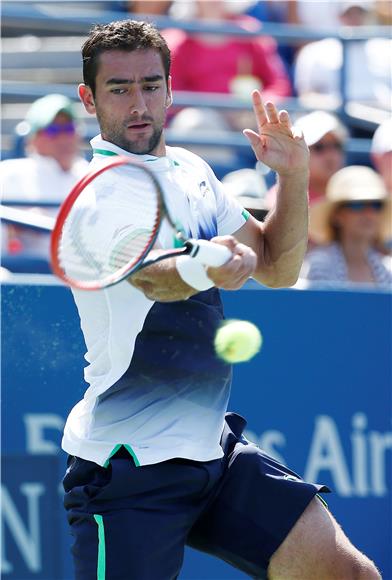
(381,152)
(349,226)
(48,172)
(381,156)
(325,136)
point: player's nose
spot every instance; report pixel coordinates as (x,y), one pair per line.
(138,104)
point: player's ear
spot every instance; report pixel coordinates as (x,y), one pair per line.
(87,98)
(169,95)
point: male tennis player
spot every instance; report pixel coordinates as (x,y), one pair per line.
(155,463)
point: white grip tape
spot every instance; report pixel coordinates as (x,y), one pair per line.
(193,273)
(210,254)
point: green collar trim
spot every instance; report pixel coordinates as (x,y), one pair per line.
(113,154)
(128,448)
(105,152)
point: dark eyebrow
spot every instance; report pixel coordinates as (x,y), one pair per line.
(150,79)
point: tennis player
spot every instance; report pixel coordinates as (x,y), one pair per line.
(155,462)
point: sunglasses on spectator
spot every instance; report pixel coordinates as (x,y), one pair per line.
(376,205)
(320,147)
(55,129)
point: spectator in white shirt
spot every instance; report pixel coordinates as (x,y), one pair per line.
(368,73)
(47,174)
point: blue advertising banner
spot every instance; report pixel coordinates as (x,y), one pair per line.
(30,518)
(317,397)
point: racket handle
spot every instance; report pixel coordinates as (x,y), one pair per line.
(209,254)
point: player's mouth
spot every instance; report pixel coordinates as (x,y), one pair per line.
(138,127)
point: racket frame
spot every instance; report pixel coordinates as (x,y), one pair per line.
(134,264)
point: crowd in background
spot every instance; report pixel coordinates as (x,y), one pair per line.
(350,203)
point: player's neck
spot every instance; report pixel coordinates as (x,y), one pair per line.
(160,149)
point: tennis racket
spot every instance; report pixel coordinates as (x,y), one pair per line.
(110,221)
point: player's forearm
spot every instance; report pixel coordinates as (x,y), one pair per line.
(286,232)
(161,282)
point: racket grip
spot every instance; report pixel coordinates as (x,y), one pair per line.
(210,254)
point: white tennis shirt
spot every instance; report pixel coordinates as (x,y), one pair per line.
(155,384)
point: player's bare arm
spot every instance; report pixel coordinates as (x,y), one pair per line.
(280,242)
(162,282)
(272,252)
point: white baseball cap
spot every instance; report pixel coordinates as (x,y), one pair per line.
(382,138)
(317,124)
(365,5)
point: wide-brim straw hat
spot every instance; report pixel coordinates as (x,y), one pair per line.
(353,183)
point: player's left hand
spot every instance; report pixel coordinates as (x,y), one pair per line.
(276,144)
(236,271)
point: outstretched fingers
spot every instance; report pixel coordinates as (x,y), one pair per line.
(259,110)
(284,118)
(272,112)
(267,113)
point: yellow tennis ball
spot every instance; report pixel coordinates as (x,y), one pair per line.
(237,341)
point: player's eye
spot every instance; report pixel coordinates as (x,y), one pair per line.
(118,91)
(151,88)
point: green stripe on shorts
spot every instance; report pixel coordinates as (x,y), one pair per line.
(101,565)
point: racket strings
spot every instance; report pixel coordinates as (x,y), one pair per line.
(110,227)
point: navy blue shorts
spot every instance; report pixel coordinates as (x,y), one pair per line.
(132,523)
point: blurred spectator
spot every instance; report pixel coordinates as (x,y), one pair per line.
(325,136)
(322,15)
(223,64)
(383,12)
(249,188)
(267,10)
(381,155)
(226,64)
(279,12)
(368,73)
(194,121)
(159,7)
(381,152)
(47,174)
(348,222)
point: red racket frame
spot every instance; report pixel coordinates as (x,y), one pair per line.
(65,209)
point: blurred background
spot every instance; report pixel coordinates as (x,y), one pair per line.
(319,395)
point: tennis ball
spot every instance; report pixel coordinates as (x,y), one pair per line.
(237,341)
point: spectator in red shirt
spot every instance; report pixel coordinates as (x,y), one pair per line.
(227,64)
(222,64)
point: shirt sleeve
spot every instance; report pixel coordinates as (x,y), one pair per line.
(231,215)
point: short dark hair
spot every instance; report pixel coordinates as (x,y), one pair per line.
(128,35)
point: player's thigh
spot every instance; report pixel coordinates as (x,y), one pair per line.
(254,510)
(317,547)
